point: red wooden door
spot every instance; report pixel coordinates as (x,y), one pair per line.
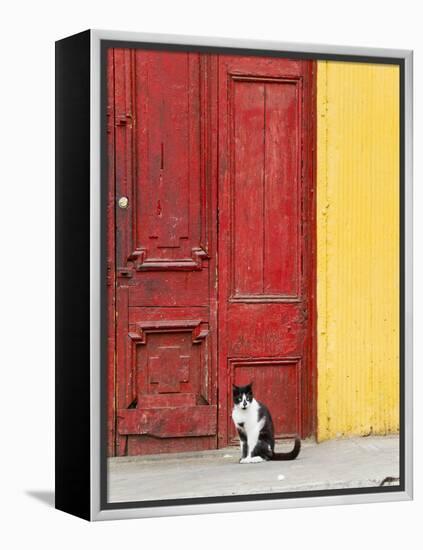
(210,245)
(165,394)
(265,238)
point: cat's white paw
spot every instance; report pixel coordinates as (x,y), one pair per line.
(250,459)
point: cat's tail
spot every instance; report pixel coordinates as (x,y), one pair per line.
(291,455)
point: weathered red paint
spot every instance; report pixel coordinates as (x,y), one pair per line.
(213,153)
(166,358)
(265,238)
(110,269)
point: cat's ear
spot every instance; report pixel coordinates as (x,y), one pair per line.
(250,386)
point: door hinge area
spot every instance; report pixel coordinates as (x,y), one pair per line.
(109,274)
(124,119)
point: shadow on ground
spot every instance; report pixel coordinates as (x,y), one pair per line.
(46,497)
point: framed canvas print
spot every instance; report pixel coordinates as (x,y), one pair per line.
(233,281)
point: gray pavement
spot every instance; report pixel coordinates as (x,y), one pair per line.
(342,463)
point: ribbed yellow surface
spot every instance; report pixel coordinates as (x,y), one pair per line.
(357,248)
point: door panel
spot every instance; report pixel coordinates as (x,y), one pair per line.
(165,292)
(159,131)
(276,381)
(265,254)
(264,115)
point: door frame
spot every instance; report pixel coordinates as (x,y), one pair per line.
(108,202)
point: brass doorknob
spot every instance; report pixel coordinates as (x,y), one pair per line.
(123,202)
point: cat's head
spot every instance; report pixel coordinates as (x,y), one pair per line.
(242,395)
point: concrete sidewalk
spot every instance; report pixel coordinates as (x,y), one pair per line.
(344,463)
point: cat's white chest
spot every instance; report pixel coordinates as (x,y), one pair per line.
(246,418)
(247,421)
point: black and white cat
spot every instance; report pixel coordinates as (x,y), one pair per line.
(255,428)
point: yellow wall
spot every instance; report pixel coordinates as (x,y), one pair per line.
(357,248)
